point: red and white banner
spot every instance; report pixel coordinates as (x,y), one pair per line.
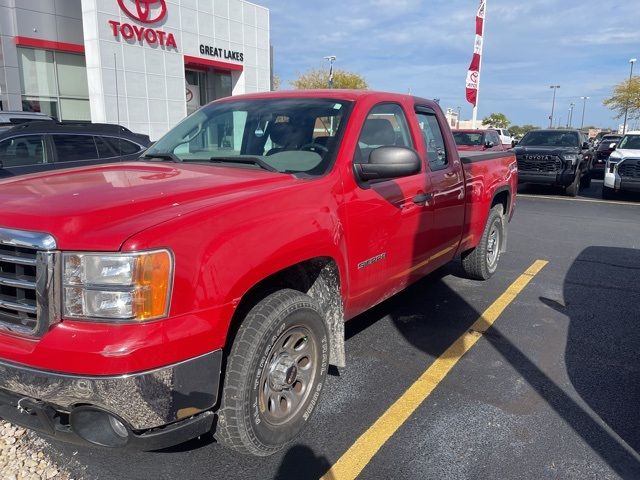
(473,75)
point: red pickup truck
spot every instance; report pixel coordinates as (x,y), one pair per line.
(205,287)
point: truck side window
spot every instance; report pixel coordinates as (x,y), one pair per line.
(25,150)
(385,126)
(434,140)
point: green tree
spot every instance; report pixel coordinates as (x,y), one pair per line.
(496,120)
(625,95)
(319,78)
(276,82)
(519,131)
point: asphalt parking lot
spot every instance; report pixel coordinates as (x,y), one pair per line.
(551,390)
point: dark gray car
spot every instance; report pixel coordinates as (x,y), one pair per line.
(46,145)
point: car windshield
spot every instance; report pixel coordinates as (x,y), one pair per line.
(468,139)
(606,141)
(543,138)
(297,136)
(630,142)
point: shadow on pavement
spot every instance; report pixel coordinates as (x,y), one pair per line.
(601,352)
(300,463)
(602,300)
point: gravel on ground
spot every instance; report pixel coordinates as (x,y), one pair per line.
(22,456)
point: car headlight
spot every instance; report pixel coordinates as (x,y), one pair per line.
(571,158)
(118,287)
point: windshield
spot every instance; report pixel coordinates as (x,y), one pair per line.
(468,139)
(630,142)
(543,138)
(297,136)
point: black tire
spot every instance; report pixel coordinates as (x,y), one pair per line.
(482,262)
(572,190)
(608,193)
(262,375)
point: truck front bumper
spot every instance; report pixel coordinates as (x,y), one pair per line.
(562,179)
(147,410)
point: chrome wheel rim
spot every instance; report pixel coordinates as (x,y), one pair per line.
(493,246)
(288,375)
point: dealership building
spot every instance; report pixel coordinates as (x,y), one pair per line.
(145,64)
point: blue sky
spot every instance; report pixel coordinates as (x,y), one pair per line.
(583,46)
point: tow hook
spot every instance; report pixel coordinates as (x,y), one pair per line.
(44,412)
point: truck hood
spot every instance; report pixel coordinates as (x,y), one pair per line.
(98,208)
(546,150)
(625,153)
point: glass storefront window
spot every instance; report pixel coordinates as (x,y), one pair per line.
(54,83)
(75,109)
(72,75)
(38,73)
(40,104)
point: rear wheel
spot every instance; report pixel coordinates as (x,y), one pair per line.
(482,262)
(275,373)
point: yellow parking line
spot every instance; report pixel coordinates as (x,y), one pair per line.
(570,199)
(349,466)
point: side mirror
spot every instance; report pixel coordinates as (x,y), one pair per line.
(489,144)
(613,146)
(586,146)
(389,162)
(514,143)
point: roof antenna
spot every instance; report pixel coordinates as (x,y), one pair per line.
(115,67)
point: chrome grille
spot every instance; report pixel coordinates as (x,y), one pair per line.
(629,169)
(27,287)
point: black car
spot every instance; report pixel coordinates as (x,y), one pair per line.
(555,157)
(46,145)
(605,148)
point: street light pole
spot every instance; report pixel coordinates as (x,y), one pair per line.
(331,59)
(584,106)
(553,105)
(570,123)
(626,111)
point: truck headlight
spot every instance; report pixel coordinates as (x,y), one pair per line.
(573,159)
(119,287)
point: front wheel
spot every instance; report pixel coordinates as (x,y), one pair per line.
(572,190)
(482,262)
(275,373)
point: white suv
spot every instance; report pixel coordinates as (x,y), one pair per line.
(622,171)
(505,136)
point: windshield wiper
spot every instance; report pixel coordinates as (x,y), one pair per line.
(245,160)
(162,156)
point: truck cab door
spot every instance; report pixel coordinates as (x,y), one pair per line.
(384,217)
(447,188)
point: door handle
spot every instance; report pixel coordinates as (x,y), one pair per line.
(422,198)
(450,175)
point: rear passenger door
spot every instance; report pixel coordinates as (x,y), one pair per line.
(447,188)
(24,154)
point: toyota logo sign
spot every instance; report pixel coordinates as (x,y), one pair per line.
(146,11)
